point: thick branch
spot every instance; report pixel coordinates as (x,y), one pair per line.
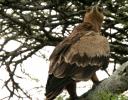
(115,84)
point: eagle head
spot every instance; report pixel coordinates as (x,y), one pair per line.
(94,15)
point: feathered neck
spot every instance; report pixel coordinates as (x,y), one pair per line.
(94,26)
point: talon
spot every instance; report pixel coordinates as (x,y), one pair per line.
(96,84)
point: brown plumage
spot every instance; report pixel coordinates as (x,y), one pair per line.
(78,56)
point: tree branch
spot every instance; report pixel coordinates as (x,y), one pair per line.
(115,84)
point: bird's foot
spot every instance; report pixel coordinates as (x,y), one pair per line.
(96,84)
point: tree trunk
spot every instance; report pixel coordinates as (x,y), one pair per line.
(115,84)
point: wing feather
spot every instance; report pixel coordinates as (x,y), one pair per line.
(74,36)
(89,50)
(80,50)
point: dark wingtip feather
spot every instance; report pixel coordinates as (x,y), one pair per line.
(55,86)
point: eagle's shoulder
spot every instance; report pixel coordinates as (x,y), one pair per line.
(77,32)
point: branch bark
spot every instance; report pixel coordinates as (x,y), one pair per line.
(115,84)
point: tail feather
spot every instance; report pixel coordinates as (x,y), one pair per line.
(55,86)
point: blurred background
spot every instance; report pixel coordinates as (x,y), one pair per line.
(29,31)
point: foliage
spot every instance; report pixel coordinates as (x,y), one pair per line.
(34,24)
(110,96)
(103,96)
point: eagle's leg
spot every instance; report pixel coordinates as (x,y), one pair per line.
(95,80)
(71,88)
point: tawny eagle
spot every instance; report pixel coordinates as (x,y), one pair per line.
(78,56)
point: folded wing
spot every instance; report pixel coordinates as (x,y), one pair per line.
(88,49)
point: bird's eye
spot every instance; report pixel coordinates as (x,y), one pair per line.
(100,9)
